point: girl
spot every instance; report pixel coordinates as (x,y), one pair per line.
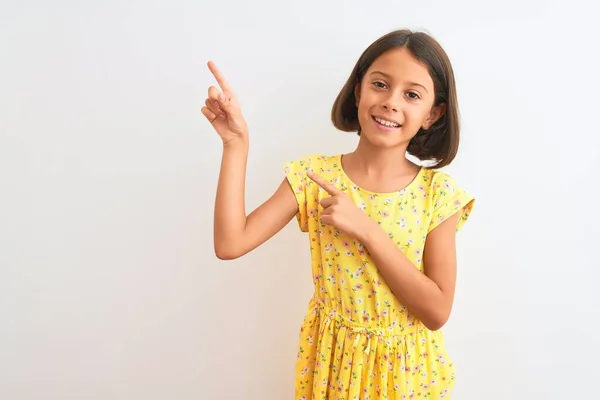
(381,228)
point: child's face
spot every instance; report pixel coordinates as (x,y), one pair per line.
(395,99)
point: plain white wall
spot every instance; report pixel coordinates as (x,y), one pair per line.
(109,288)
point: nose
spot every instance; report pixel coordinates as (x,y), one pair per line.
(390,103)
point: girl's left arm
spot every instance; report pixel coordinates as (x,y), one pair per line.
(428,296)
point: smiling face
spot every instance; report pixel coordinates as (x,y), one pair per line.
(395,99)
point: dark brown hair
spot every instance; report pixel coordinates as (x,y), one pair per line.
(439,143)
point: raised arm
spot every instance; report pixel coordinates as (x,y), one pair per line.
(235,232)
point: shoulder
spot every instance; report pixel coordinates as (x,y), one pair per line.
(295,170)
(312,161)
(446,197)
(440,181)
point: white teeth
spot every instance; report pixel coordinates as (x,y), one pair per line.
(386,123)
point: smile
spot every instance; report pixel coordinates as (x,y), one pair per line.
(385,122)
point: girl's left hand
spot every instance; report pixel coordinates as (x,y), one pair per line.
(340,212)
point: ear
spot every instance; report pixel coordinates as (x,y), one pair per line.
(435,114)
(357,93)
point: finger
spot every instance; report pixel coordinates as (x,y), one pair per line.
(327,186)
(214,93)
(327,202)
(327,219)
(327,212)
(214,107)
(217,99)
(222,99)
(225,96)
(210,116)
(219,76)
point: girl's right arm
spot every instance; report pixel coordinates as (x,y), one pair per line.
(236,234)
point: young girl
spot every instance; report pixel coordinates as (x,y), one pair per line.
(381,228)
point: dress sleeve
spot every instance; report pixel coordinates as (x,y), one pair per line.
(295,172)
(447,199)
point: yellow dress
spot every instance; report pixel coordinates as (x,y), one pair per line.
(357,340)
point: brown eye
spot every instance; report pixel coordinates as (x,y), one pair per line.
(380,85)
(413,95)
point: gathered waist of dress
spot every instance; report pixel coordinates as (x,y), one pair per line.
(329,314)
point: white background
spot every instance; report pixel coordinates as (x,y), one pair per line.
(109,287)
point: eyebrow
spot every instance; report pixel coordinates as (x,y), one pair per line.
(389,77)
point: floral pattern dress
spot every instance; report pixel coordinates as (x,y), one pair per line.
(357,340)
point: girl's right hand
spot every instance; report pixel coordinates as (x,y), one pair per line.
(223,110)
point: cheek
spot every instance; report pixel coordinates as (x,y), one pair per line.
(419,115)
(366,102)
(362,107)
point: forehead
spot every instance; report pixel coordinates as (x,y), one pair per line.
(401,65)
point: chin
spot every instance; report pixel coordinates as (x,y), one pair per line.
(382,140)
(383,143)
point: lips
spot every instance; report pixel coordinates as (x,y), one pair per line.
(385,122)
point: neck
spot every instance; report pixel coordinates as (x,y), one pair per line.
(381,161)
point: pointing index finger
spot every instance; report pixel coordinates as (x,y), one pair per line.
(218,76)
(327,186)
